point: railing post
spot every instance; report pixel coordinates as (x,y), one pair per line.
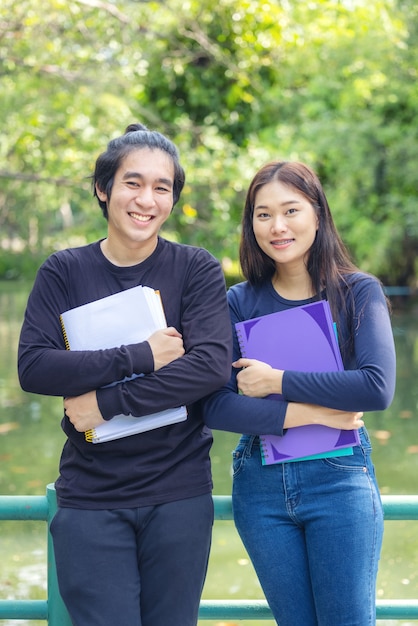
(57,613)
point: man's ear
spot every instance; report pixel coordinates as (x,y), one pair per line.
(101,194)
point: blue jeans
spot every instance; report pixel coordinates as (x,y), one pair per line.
(134,567)
(313,531)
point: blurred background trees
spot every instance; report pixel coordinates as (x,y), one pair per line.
(234,83)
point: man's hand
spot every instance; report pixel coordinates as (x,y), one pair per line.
(83,411)
(166,346)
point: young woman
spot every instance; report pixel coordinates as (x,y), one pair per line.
(313,529)
(133,529)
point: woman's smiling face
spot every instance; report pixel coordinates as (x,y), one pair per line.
(284,223)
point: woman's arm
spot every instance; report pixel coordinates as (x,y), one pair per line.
(336,398)
(231,411)
(298,414)
(366,384)
(368,381)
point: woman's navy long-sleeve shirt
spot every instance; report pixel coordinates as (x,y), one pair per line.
(366,384)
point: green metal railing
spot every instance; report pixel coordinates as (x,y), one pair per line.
(53,611)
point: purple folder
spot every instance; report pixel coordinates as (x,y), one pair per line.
(300,339)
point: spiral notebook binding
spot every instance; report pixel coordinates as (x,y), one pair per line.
(264,450)
(89,435)
(64,332)
(241,342)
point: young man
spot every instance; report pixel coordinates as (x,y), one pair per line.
(133,529)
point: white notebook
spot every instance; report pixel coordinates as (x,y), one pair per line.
(123,318)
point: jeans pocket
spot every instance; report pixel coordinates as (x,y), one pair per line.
(237,460)
(359,461)
(241,452)
(365,441)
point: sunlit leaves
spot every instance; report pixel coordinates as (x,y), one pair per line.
(235,83)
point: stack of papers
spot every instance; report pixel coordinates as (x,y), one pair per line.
(123,318)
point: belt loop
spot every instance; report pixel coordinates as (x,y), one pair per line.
(249,445)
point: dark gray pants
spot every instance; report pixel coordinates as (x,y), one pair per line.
(134,567)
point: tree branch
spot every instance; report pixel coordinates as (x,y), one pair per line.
(35,178)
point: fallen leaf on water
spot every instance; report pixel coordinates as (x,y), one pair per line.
(7,427)
(34,483)
(19,469)
(382,436)
(412,450)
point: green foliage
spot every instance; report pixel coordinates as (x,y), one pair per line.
(235,83)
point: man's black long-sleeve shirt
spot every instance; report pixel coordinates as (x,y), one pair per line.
(161,465)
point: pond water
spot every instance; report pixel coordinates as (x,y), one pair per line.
(31,442)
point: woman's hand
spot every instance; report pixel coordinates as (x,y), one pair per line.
(298,414)
(258,379)
(83,411)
